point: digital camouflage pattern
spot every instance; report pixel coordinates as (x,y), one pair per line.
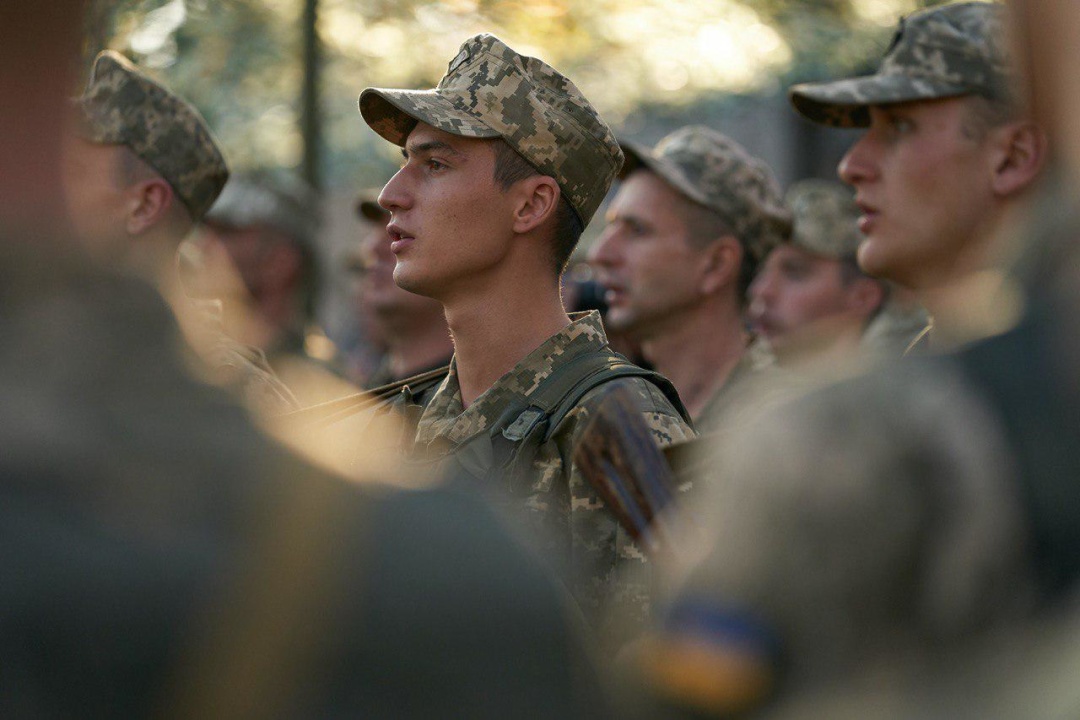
(122,106)
(942,52)
(715,171)
(491,91)
(824,218)
(572,520)
(277,200)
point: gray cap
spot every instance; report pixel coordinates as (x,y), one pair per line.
(368,207)
(824,218)
(715,171)
(944,52)
(274,199)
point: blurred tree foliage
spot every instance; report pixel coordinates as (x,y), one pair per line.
(240,61)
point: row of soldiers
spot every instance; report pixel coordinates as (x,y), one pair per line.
(804,552)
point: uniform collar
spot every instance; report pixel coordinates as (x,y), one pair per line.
(445,417)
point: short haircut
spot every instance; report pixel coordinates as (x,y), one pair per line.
(985,113)
(131,169)
(703,226)
(511,167)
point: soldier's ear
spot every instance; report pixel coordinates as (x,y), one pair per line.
(536,199)
(721,260)
(1021,158)
(150,203)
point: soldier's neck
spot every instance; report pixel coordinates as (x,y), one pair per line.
(490,337)
(697,351)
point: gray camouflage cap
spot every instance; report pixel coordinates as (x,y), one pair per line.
(275,199)
(492,91)
(824,218)
(938,53)
(122,106)
(715,171)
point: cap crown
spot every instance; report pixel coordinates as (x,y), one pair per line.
(491,90)
(962,44)
(123,106)
(715,171)
(824,218)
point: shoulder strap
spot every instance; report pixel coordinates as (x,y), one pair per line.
(561,391)
(335,410)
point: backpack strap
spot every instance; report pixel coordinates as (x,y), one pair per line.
(561,391)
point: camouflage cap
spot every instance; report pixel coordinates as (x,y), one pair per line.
(943,52)
(270,198)
(491,91)
(715,171)
(824,218)
(122,106)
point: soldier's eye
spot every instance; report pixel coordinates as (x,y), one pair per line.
(434,164)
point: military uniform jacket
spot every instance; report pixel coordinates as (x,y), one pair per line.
(559,503)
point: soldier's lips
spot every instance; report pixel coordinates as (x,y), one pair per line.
(399,240)
(868,219)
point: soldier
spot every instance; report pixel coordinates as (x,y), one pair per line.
(411,328)
(162,558)
(264,227)
(505,163)
(809,300)
(947,155)
(686,230)
(142,172)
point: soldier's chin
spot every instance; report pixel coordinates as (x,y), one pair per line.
(409,282)
(619,320)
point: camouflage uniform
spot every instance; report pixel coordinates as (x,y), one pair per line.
(561,506)
(491,91)
(122,106)
(713,170)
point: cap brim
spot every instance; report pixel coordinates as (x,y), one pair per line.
(369,209)
(845,103)
(393,114)
(636,156)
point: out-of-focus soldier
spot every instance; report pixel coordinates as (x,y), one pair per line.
(878,548)
(257,249)
(505,163)
(161,558)
(690,222)
(947,157)
(810,301)
(143,169)
(411,329)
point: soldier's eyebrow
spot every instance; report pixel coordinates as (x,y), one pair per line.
(429,147)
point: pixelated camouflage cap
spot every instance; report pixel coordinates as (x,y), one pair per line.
(824,218)
(271,198)
(715,171)
(492,91)
(122,106)
(943,52)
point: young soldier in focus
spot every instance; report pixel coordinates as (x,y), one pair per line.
(505,163)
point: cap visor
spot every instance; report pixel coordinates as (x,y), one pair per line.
(637,157)
(844,103)
(394,113)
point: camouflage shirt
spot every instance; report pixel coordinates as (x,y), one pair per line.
(576,526)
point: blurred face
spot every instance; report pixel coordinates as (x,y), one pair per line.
(378,291)
(644,260)
(96,200)
(924,189)
(799,298)
(450,225)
